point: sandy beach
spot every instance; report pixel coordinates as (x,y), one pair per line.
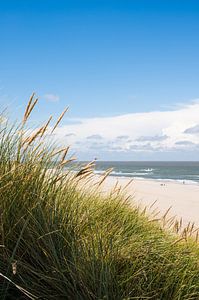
(182,198)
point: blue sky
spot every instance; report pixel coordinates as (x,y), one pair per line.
(104,59)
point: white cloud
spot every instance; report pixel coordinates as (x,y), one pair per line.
(51,97)
(163,131)
(94,137)
(192,130)
(152,138)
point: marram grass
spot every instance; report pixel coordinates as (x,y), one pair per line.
(60,241)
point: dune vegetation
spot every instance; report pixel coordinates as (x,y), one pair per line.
(61,239)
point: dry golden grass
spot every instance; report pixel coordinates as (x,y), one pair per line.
(62,238)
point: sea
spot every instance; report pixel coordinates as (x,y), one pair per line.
(185,172)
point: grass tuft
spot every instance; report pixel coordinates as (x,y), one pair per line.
(59,240)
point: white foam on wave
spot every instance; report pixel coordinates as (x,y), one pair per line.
(124,174)
(147,170)
(145,176)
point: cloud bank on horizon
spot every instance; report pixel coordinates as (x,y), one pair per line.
(147,135)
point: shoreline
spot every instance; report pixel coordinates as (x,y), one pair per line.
(163,180)
(182,199)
